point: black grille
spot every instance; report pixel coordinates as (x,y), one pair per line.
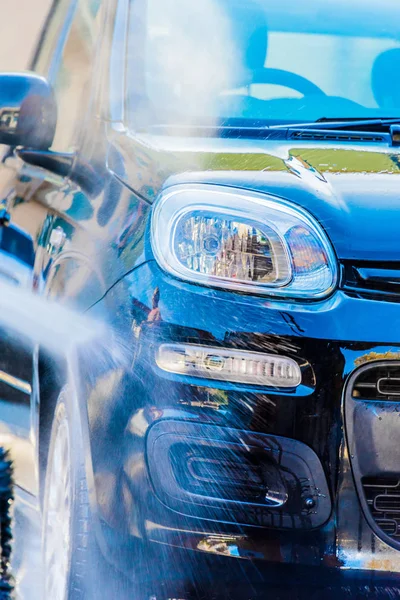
(378,383)
(383,499)
(376,280)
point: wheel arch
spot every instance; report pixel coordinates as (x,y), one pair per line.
(52,375)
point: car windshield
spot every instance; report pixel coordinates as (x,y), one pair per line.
(18,245)
(262,61)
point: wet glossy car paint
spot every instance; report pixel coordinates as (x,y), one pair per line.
(104,265)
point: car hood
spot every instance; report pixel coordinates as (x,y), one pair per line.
(353,190)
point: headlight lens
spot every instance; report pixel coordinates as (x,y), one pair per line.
(242,240)
(230,249)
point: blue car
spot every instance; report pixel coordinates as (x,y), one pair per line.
(218,183)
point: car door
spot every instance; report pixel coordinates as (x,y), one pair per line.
(49,210)
(70,68)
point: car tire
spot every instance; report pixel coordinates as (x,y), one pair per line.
(70,559)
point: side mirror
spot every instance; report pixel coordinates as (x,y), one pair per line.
(28,111)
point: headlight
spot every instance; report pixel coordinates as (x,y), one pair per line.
(242,240)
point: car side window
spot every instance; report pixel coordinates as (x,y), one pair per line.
(51,39)
(73,77)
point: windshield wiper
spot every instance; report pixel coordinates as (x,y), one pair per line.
(388,129)
(325,123)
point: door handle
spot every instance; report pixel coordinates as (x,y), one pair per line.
(57,238)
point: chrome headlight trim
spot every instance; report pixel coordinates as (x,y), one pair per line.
(266,213)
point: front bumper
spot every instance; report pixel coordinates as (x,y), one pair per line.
(335,338)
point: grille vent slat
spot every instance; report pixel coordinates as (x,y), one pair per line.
(380,383)
(387,503)
(383,500)
(388,526)
(331,136)
(372,279)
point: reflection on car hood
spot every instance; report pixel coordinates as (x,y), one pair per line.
(353,190)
